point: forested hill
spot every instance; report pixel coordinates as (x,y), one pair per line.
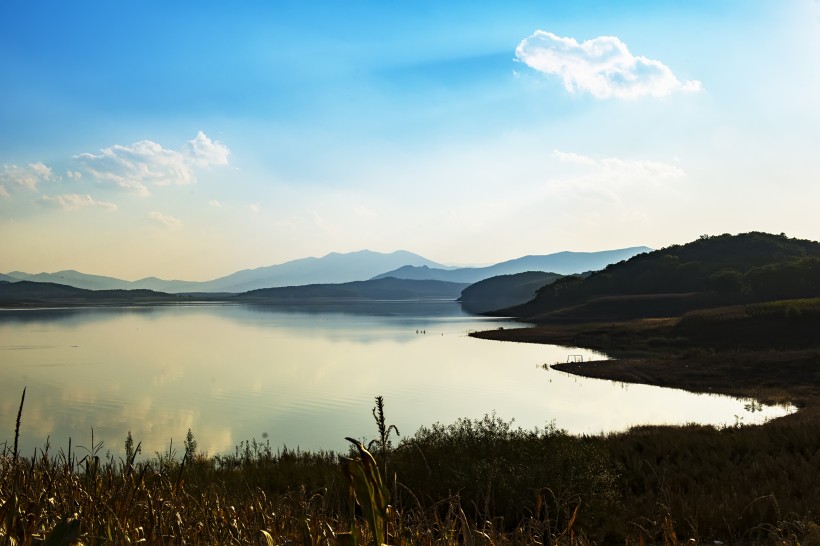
(45,293)
(504,291)
(711,271)
(28,293)
(388,289)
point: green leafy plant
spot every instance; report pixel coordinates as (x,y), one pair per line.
(383,441)
(367,489)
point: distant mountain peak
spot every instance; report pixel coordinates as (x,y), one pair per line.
(564,263)
(333,268)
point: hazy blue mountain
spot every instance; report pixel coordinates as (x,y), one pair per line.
(173,287)
(69,277)
(563,263)
(341,268)
(333,268)
(387,289)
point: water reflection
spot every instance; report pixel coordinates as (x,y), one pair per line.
(302,376)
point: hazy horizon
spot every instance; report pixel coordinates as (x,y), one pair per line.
(189,142)
(231,271)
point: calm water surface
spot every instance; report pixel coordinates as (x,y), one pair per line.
(303,378)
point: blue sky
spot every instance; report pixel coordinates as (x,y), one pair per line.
(194,140)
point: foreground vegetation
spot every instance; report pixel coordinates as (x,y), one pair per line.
(471,482)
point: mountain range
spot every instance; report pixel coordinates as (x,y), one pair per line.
(333,268)
(336,268)
(563,263)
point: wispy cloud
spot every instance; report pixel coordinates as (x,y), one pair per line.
(615,169)
(602,66)
(136,166)
(215,203)
(3,191)
(165,220)
(74,201)
(612,180)
(571,157)
(254,207)
(27,177)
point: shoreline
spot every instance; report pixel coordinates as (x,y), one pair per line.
(643,352)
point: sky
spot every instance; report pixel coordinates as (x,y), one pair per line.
(190,140)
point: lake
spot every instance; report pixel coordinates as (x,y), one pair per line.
(301,377)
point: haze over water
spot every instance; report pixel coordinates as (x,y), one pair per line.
(300,377)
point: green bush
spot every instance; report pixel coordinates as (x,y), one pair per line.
(504,472)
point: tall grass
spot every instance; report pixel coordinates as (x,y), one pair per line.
(470,482)
(790,310)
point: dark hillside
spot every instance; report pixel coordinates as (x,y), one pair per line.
(504,291)
(39,293)
(713,271)
(28,293)
(387,289)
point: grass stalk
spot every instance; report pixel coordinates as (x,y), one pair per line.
(17,425)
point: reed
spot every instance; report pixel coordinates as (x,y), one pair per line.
(471,482)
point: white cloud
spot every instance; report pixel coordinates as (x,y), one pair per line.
(254,208)
(616,169)
(132,167)
(145,163)
(73,201)
(204,152)
(3,191)
(26,177)
(215,203)
(626,168)
(573,158)
(165,220)
(603,67)
(609,176)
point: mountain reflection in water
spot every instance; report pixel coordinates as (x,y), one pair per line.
(300,376)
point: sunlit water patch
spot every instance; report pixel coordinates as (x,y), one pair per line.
(301,377)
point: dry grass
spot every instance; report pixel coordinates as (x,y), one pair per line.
(254,496)
(472,482)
